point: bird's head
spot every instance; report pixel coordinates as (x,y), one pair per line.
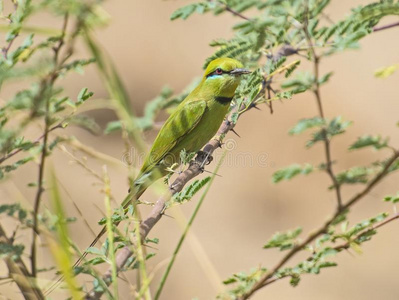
(222,76)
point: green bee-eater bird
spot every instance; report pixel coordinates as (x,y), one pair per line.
(194,122)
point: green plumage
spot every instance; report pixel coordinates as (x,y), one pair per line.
(194,122)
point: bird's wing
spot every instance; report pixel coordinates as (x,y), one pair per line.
(179,124)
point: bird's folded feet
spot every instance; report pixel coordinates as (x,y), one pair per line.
(203,158)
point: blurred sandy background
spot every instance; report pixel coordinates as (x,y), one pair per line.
(243,208)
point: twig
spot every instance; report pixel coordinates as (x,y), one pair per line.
(322,229)
(375,29)
(5,49)
(110,231)
(236,13)
(46,86)
(316,92)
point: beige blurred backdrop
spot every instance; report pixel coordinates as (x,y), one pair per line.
(243,208)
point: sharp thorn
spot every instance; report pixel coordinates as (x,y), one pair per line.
(148,246)
(235,132)
(212,173)
(166,215)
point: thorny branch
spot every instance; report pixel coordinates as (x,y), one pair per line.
(195,169)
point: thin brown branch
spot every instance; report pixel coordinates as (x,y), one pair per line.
(40,189)
(46,86)
(236,13)
(19,273)
(316,92)
(323,228)
(6,48)
(380,28)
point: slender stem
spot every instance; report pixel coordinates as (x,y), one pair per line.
(46,87)
(144,288)
(375,29)
(185,232)
(316,92)
(236,13)
(5,49)
(39,192)
(110,231)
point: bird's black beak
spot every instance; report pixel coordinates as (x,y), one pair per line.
(240,71)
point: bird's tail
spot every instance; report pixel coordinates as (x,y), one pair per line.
(133,195)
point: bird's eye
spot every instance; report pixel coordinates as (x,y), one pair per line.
(219,71)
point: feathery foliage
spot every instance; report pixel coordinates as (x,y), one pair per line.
(273,38)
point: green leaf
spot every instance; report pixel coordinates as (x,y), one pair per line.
(335,127)
(325,78)
(392,198)
(291,171)
(291,69)
(367,140)
(78,65)
(340,218)
(16,165)
(13,251)
(365,224)
(154,241)
(300,83)
(355,175)
(284,240)
(294,281)
(305,124)
(14,210)
(186,11)
(189,191)
(378,10)
(186,157)
(234,49)
(94,250)
(85,122)
(243,282)
(84,94)
(386,72)
(113,126)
